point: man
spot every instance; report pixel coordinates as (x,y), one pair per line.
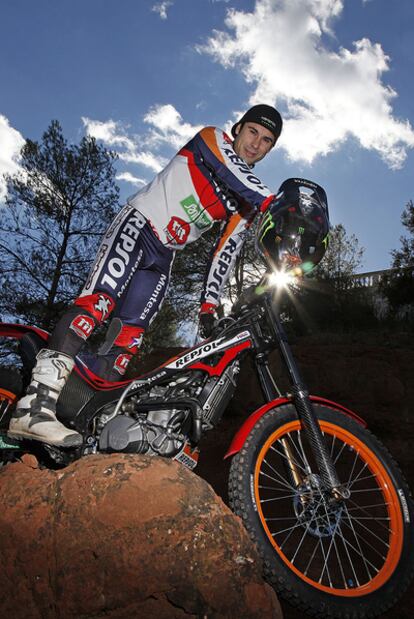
(210,179)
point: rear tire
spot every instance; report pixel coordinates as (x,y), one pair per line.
(350,559)
(11,388)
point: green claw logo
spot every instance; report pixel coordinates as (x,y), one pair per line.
(266,225)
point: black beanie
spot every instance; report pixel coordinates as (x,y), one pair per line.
(264,115)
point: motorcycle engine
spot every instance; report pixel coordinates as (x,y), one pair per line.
(157,432)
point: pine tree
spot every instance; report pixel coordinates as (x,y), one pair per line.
(404,257)
(399,287)
(57,207)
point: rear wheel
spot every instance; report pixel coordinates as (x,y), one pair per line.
(11,388)
(349,558)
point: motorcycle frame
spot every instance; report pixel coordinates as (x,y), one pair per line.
(244,335)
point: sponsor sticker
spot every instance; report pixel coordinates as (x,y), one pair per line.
(135,343)
(121,363)
(154,297)
(404,505)
(207,349)
(83,326)
(196,213)
(104,306)
(188,456)
(125,245)
(178,230)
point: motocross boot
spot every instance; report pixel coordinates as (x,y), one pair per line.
(35,414)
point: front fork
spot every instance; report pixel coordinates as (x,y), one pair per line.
(303,405)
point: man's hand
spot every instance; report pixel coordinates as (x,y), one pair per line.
(206,319)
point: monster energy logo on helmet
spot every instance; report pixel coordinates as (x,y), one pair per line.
(266,224)
(264,115)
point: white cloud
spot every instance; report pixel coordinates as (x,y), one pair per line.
(130,178)
(166,128)
(110,132)
(326,96)
(162,7)
(11,143)
(145,158)
(114,134)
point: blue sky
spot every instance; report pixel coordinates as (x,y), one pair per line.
(143,76)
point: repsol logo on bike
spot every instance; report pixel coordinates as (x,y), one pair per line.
(242,166)
(219,274)
(154,297)
(115,269)
(196,354)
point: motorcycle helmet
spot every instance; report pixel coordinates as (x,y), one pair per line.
(294,230)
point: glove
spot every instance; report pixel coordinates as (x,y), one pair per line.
(206,319)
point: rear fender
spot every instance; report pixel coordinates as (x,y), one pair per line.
(15,331)
(243,432)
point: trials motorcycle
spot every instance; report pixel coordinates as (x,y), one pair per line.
(321,497)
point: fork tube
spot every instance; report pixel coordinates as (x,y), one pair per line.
(267,384)
(294,471)
(304,407)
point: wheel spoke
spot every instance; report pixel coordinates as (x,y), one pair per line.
(357,477)
(325,565)
(357,549)
(367,490)
(333,544)
(339,454)
(372,476)
(278,498)
(363,509)
(351,519)
(350,562)
(291,529)
(348,483)
(278,481)
(301,451)
(283,455)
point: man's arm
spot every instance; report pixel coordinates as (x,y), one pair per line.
(222,264)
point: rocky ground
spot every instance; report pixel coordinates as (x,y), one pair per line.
(123,536)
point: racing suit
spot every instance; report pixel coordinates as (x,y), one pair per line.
(205,182)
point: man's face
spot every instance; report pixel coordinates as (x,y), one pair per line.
(253,142)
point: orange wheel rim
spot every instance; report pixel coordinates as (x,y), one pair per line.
(9,396)
(392,519)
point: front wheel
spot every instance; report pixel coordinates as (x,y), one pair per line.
(350,558)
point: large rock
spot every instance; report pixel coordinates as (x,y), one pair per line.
(123,536)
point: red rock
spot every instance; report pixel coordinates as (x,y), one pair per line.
(124,536)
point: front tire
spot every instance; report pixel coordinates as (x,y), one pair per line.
(353,558)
